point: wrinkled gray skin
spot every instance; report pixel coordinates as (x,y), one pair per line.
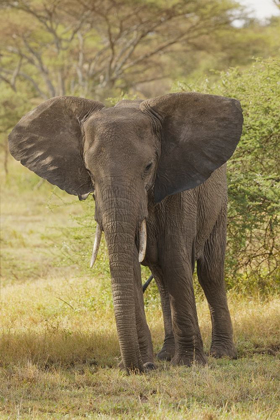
(162,160)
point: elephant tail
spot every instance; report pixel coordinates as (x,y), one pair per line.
(145,285)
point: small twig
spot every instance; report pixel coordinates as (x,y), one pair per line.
(67,303)
(39,184)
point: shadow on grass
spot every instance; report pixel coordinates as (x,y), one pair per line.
(59,349)
(71,350)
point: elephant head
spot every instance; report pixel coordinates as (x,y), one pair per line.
(128,155)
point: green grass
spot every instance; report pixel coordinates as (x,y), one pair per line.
(59,351)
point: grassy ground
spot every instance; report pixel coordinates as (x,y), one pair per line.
(59,349)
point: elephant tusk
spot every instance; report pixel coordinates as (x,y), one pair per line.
(142,241)
(83,196)
(97,239)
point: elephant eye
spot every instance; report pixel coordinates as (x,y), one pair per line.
(148,167)
(147,170)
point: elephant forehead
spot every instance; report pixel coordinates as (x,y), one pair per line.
(115,142)
(119,123)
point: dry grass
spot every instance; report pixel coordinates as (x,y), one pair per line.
(58,344)
(59,355)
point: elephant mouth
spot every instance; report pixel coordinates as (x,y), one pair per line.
(142,242)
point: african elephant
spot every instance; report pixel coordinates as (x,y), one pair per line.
(157,171)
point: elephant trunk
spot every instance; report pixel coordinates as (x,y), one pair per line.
(142,243)
(120,221)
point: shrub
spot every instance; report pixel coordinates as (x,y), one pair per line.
(253,174)
(253,183)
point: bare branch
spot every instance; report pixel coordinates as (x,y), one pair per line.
(28,78)
(8,82)
(40,67)
(81,58)
(16,73)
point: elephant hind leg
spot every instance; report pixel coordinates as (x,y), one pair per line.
(210,270)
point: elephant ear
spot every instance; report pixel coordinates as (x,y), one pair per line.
(49,142)
(199,134)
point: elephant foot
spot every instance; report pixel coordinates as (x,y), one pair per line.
(135,370)
(219,350)
(189,358)
(149,366)
(168,350)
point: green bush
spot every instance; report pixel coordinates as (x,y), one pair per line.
(253,182)
(253,175)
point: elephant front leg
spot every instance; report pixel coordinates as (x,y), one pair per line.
(143,332)
(188,341)
(168,349)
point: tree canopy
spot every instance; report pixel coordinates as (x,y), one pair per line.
(103,49)
(90,47)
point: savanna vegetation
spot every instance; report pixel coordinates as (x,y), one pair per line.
(58,347)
